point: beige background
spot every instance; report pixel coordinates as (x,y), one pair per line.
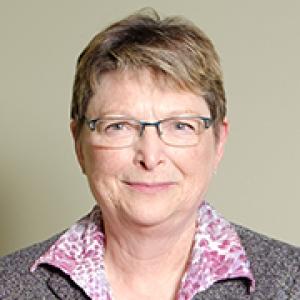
(41,188)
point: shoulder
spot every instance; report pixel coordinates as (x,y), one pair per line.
(261,247)
(25,255)
(275,264)
(15,275)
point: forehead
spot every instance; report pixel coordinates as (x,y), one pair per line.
(142,92)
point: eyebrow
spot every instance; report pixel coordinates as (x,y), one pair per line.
(184,112)
(120,114)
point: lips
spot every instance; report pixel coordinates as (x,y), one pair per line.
(147,187)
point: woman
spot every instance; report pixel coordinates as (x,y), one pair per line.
(149,126)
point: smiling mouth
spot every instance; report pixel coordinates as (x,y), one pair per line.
(149,187)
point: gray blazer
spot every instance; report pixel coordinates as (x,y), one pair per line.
(275,265)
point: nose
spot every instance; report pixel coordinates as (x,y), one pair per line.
(149,149)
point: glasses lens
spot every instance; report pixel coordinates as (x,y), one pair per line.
(177,131)
(116,132)
(181,131)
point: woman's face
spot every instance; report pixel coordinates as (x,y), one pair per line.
(148,183)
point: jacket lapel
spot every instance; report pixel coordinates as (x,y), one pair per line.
(63,287)
(60,284)
(233,289)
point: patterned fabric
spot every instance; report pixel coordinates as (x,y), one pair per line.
(217,254)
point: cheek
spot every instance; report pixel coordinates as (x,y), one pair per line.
(101,163)
(198,165)
(102,170)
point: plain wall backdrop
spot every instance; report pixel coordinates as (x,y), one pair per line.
(42,190)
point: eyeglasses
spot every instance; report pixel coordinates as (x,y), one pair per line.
(120,132)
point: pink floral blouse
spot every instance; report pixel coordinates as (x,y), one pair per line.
(217,254)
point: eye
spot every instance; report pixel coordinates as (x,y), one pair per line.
(184,126)
(115,126)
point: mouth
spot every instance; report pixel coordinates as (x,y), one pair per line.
(149,188)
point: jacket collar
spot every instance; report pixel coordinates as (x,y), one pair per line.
(63,288)
(59,283)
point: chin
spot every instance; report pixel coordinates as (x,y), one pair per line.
(147,216)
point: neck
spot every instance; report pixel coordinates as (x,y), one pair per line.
(148,255)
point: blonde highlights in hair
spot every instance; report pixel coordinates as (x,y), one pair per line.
(172,48)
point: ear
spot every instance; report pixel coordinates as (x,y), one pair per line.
(77,144)
(220,142)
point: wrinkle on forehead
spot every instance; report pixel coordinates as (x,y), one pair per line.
(143,91)
(154,78)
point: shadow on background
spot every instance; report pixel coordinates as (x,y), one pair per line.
(8,193)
